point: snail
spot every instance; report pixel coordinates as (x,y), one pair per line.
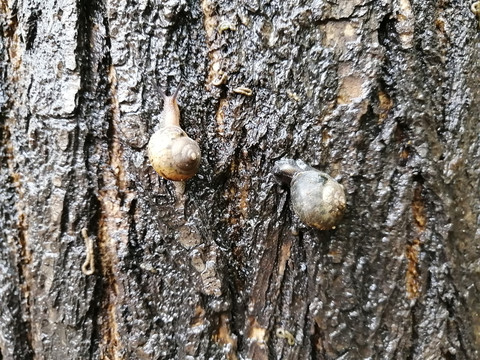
(317,199)
(173,155)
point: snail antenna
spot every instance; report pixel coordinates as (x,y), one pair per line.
(159,89)
(175,93)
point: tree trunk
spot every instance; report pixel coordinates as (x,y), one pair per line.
(103,259)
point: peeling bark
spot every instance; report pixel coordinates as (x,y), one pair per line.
(381,95)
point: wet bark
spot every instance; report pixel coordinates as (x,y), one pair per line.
(382,95)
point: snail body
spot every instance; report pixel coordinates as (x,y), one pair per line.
(317,199)
(173,155)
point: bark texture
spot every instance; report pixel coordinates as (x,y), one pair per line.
(383,95)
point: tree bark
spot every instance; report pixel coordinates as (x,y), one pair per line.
(103,259)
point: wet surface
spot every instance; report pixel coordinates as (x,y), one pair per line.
(379,95)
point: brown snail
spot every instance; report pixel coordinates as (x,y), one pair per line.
(317,199)
(173,155)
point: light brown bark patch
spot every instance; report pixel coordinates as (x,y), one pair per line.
(257,333)
(384,106)
(224,337)
(338,34)
(405,24)
(284,256)
(216,75)
(258,337)
(350,89)
(238,193)
(198,318)
(412,281)
(210,21)
(114,198)
(418,209)
(220,116)
(412,277)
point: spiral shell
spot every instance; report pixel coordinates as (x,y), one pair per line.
(173,155)
(317,199)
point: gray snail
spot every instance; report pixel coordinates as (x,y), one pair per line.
(317,199)
(173,155)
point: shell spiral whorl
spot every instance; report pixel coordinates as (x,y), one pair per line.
(317,199)
(173,155)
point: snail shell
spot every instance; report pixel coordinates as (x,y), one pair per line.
(317,199)
(173,155)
